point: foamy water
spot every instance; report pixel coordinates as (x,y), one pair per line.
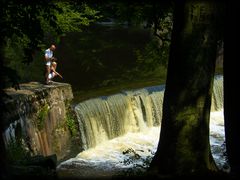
(133,152)
(217,139)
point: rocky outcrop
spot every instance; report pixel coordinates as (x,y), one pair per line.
(35,119)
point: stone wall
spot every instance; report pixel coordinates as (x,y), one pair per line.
(35,118)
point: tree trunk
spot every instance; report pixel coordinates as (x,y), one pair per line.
(184,146)
(3,163)
(231,89)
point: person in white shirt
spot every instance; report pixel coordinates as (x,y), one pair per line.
(48,60)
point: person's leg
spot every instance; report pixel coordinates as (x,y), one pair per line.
(54,66)
(50,77)
(47,72)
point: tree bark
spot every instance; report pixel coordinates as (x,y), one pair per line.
(231,89)
(184,146)
(3,163)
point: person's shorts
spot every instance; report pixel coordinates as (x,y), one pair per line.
(48,63)
(51,75)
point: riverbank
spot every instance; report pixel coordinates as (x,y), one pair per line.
(81,95)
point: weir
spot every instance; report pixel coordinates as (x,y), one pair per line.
(107,117)
(120,133)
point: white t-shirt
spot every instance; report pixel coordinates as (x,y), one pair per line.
(48,54)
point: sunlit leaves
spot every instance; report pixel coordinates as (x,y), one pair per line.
(27,26)
(71,19)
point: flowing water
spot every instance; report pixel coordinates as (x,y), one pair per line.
(120,133)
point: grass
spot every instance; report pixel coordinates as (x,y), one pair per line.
(82,95)
(157,79)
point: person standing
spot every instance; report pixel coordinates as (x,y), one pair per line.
(48,60)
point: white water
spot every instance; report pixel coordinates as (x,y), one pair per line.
(217,139)
(108,158)
(105,118)
(124,139)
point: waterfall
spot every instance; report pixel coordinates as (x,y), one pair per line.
(217,95)
(120,133)
(104,118)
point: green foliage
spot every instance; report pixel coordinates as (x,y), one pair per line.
(16,147)
(42,116)
(16,151)
(21,29)
(71,123)
(151,57)
(154,15)
(28,26)
(23,19)
(14,56)
(71,19)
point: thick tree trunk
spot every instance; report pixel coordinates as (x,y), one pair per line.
(184,146)
(231,89)
(3,163)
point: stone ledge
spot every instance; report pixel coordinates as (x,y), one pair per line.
(36,116)
(32,88)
